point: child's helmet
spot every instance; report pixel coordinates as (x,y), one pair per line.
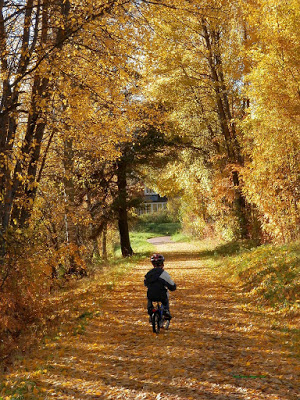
(157,260)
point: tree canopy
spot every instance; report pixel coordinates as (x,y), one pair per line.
(98,97)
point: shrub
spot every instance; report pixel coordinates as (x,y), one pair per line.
(25,280)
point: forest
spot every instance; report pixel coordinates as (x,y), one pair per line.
(197,99)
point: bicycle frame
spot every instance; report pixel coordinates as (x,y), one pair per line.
(158,318)
(159,307)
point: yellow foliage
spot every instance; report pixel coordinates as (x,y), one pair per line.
(272,134)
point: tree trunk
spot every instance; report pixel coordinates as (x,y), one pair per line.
(11,187)
(96,252)
(34,153)
(70,206)
(122,209)
(227,124)
(104,242)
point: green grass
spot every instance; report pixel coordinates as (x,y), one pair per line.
(139,244)
(160,224)
(181,237)
(19,390)
(158,229)
(269,273)
(146,229)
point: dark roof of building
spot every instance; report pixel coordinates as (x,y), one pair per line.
(155,198)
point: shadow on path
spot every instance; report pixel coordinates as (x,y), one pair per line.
(215,349)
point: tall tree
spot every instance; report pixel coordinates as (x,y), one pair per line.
(35,37)
(197,79)
(121,170)
(272,135)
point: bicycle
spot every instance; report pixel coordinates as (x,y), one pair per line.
(158,319)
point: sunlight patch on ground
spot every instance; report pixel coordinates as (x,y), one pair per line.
(215,349)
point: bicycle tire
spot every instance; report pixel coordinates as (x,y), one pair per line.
(156,322)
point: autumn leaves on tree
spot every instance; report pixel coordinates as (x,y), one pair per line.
(221,69)
(99,96)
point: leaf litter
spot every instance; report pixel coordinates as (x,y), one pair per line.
(216,347)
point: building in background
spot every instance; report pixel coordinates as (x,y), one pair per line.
(153,202)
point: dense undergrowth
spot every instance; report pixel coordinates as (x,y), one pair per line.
(157,225)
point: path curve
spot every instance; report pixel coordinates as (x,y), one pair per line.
(215,348)
(161,240)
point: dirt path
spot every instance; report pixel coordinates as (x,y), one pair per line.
(161,240)
(214,349)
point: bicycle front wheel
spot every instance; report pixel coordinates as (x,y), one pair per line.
(156,322)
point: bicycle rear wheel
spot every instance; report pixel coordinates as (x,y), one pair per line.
(156,322)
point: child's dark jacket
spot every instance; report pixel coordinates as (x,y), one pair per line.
(158,282)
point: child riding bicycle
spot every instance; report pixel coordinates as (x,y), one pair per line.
(158,282)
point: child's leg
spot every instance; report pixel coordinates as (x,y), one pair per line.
(166,305)
(149,307)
